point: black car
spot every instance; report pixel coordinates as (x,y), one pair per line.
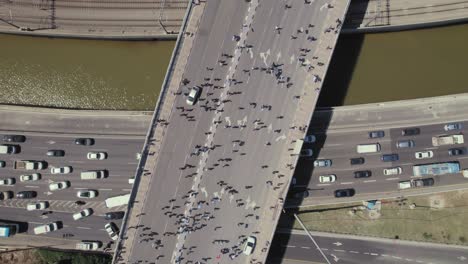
(55,153)
(84,141)
(114,215)
(344,193)
(14,138)
(410,131)
(356,161)
(456,151)
(26,194)
(390,157)
(376,134)
(428,181)
(362,174)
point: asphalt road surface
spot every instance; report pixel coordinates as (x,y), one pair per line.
(298,248)
(217,179)
(121,163)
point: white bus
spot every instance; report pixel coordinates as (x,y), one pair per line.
(117,200)
(368,148)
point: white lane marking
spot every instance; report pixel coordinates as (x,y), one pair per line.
(324,248)
(384,255)
(395,257)
(344,183)
(374,254)
(392,179)
(79,188)
(132,163)
(105,189)
(305,247)
(30,186)
(323,184)
(407,259)
(126,189)
(80,227)
(76,161)
(290,246)
(366,253)
(339,250)
(355,252)
(370,181)
(35,223)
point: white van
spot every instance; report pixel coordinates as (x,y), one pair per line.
(368,148)
(42,229)
(92,175)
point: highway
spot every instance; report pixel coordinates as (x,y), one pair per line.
(298,248)
(215,172)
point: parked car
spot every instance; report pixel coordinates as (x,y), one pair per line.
(114,215)
(392,171)
(306,153)
(87,193)
(457,151)
(362,174)
(56,153)
(453,126)
(96,155)
(193,95)
(26,194)
(88,245)
(322,163)
(357,161)
(37,206)
(344,193)
(84,141)
(411,131)
(327,178)
(61,170)
(84,213)
(112,230)
(7,181)
(405,144)
(6,195)
(14,138)
(389,157)
(30,177)
(249,245)
(303,194)
(59,185)
(377,134)
(424,154)
(2,164)
(310,139)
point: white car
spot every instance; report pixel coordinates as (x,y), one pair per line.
(86,194)
(249,245)
(112,230)
(453,126)
(424,154)
(310,139)
(86,212)
(392,171)
(37,206)
(30,177)
(193,95)
(323,163)
(7,181)
(97,155)
(59,185)
(327,178)
(61,170)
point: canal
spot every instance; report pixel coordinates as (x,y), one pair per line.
(127,75)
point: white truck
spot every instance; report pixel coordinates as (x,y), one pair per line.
(117,200)
(88,245)
(415,183)
(368,148)
(447,140)
(30,165)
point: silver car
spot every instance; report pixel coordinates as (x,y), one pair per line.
(322,163)
(30,177)
(193,95)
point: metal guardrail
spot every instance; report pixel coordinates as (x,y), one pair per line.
(150,132)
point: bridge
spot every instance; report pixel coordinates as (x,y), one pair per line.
(216,173)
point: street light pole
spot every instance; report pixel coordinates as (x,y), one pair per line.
(311,238)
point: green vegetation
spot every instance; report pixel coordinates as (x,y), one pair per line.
(52,257)
(437,218)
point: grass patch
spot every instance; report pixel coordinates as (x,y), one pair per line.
(439,218)
(47,256)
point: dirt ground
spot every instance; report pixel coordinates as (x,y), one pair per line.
(19,257)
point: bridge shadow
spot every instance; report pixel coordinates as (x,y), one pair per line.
(333,93)
(356,13)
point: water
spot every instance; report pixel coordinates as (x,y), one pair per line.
(85,74)
(395,66)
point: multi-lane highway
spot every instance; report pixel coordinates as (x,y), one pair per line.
(223,169)
(298,248)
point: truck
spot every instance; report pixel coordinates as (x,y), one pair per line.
(447,140)
(7,230)
(368,148)
(415,183)
(117,200)
(30,165)
(436,168)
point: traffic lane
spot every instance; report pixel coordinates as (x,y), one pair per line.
(299,247)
